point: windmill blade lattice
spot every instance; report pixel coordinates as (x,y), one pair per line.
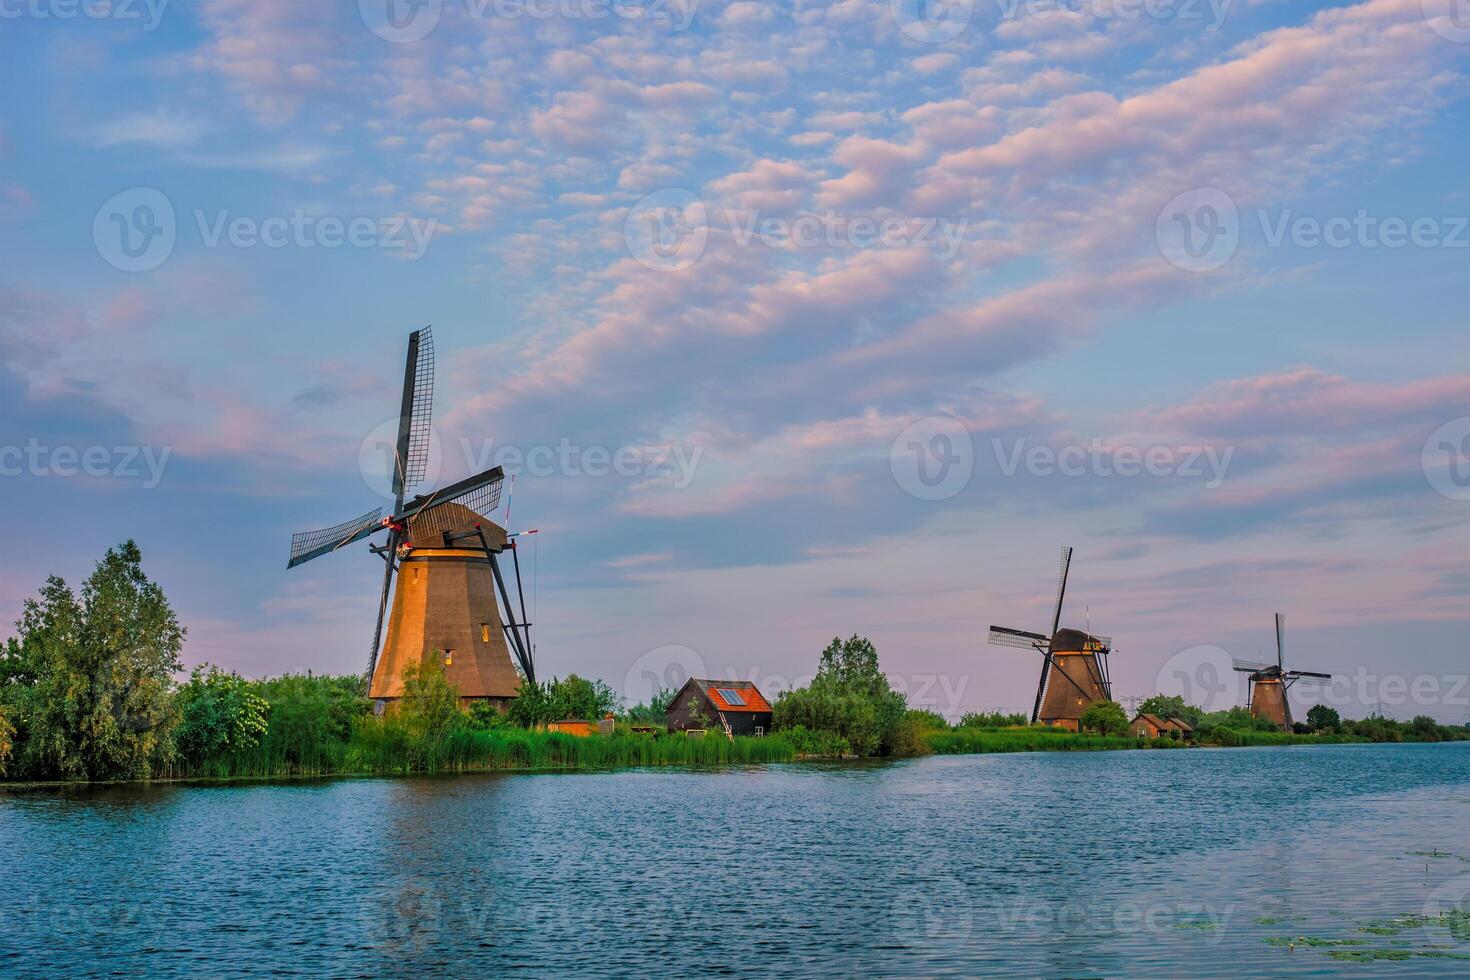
(306,545)
(421,412)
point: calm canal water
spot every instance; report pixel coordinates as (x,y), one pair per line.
(1125,864)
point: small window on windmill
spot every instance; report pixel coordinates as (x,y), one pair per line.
(449,658)
(484,632)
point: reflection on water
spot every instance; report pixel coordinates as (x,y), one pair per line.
(1091,864)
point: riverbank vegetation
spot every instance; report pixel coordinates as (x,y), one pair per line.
(88,691)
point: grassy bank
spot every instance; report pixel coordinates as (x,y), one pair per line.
(384,748)
(965,741)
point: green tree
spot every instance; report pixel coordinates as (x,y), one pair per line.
(1104,717)
(1323,718)
(219,713)
(851,697)
(311,719)
(7,730)
(1425,728)
(430,704)
(657,708)
(101,665)
(1172,706)
(555,700)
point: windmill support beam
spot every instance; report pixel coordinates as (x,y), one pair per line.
(523,653)
(388,568)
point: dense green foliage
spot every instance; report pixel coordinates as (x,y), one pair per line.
(1035,738)
(89,677)
(219,713)
(992,719)
(558,700)
(1322,718)
(851,698)
(7,731)
(1105,718)
(655,710)
(808,742)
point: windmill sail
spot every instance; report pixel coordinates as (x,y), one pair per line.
(418,391)
(410,456)
(306,545)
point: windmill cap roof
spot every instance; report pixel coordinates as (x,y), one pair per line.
(1073,641)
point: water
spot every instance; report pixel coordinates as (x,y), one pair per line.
(1136,864)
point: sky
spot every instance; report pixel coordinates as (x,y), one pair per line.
(794,320)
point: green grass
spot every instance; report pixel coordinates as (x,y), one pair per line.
(965,741)
(378,747)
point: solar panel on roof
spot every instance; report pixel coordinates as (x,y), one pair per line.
(732,698)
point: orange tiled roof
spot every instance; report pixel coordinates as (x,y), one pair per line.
(753,698)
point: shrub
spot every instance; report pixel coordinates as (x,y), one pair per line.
(993,719)
(219,713)
(808,742)
(850,697)
(1104,717)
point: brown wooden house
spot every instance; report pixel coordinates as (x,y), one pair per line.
(730,707)
(1152,726)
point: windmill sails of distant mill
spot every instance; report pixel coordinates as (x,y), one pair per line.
(446,555)
(1074,663)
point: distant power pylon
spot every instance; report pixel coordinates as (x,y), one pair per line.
(1133,701)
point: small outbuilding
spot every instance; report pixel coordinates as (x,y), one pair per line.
(733,707)
(1152,726)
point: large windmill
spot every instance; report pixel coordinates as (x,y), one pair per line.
(1270,682)
(444,551)
(1074,664)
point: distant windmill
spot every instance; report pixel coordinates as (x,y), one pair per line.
(1270,682)
(1074,664)
(444,550)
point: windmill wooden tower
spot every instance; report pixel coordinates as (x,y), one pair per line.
(445,552)
(1270,682)
(1074,664)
